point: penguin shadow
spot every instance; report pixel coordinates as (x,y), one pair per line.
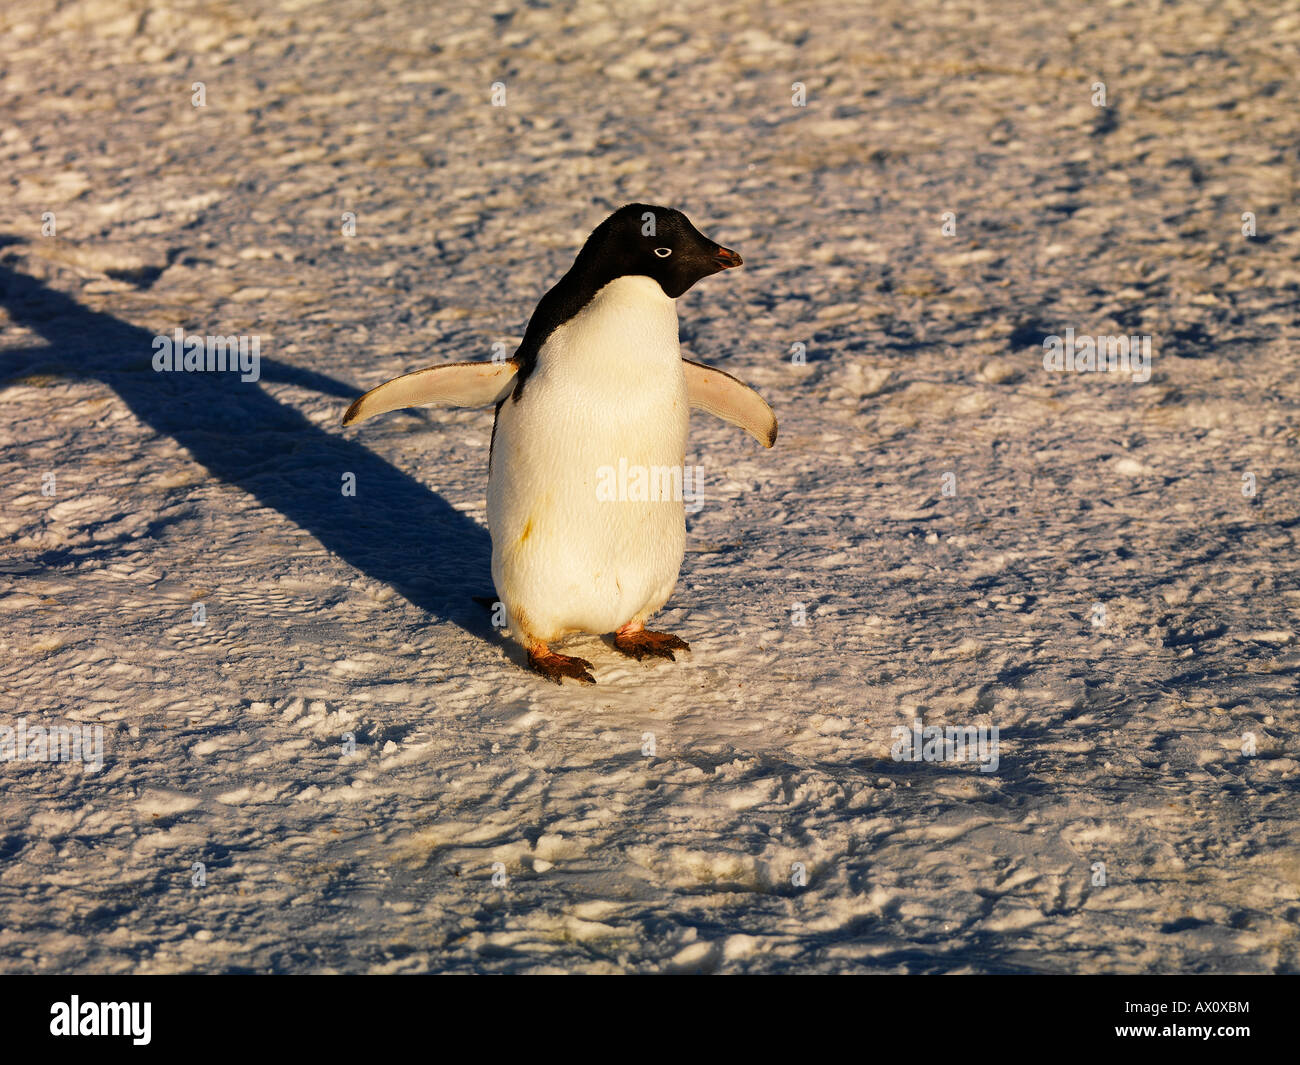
(394,530)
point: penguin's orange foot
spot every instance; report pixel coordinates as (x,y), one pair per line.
(556,667)
(639,643)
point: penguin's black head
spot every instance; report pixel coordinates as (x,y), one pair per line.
(656,242)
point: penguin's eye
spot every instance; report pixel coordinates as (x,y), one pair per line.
(663,253)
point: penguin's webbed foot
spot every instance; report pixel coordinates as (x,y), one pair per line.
(556,667)
(637,642)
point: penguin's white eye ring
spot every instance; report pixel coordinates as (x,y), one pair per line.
(663,253)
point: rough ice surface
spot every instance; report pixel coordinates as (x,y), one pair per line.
(1122,727)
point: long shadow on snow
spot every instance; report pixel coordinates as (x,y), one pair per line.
(394,530)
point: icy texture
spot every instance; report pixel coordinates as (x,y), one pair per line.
(1121,742)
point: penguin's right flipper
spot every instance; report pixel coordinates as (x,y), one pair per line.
(733,401)
(457,384)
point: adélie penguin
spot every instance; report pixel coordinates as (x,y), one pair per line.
(598,380)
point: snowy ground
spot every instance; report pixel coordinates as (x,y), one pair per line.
(1121,742)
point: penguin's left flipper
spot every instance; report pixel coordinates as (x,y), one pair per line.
(457,384)
(733,401)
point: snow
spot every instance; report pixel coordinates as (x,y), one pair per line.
(335,620)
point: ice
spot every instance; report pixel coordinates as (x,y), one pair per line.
(369,778)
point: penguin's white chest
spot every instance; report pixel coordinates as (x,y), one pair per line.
(585,492)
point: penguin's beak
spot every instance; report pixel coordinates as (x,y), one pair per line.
(726,258)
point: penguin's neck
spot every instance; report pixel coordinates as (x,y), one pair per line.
(629,325)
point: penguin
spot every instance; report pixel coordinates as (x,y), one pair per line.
(598,384)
